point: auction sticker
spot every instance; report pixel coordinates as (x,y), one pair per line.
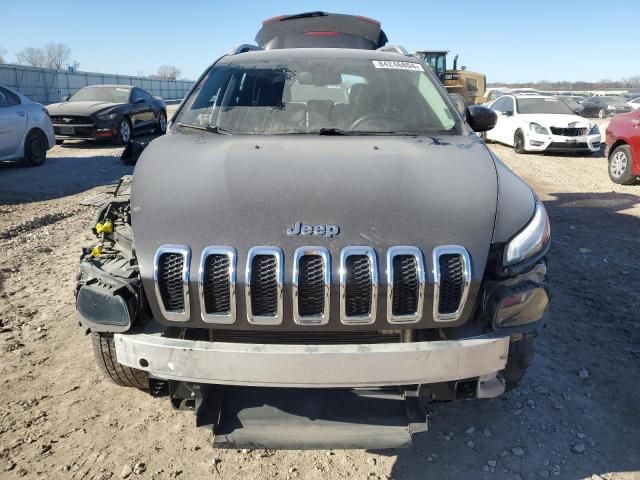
(396,65)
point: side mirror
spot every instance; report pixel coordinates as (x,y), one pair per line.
(139,100)
(508,113)
(480,118)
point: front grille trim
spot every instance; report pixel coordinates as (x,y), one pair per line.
(173,315)
(466,262)
(220,318)
(417,254)
(276,319)
(373,274)
(324,254)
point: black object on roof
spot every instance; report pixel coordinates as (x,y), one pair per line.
(321,29)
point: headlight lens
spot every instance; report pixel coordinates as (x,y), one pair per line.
(531,240)
(534,127)
(594,130)
(107,116)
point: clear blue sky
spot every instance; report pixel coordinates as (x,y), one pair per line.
(509,40)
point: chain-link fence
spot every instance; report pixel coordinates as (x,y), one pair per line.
(45,85)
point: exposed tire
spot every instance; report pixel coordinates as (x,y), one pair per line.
(161,128)
(520,358)
(35,148)
(620,162)
(125,131)
(602,113)
(104,350)
(518,142)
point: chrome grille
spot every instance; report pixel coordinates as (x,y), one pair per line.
(217,282)
(406,279)
(452,279)
(311,285)
(264,276)
(171,279)
(358,285)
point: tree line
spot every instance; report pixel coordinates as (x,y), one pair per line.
(58,56)
(624,83)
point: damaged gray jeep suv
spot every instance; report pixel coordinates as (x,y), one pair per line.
(318,248)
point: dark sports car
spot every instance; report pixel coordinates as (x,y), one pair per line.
(605,106)
(112,112)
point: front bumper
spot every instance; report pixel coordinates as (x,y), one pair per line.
(313,366)
(536,142)
(90,131)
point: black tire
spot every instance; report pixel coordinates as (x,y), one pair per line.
(161,127)
(104,350)
(520,358)
(121,137)
(518,142)
(35,148)
(602,113)
(619,167)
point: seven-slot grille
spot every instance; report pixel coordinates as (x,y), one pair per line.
(569,132)
(358,269)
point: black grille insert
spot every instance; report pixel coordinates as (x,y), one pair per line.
(452,282)
(70,120)
(264,285)
(170,267)
(406,285)
(358,287)
(569,132)
(217,296)
(311,286)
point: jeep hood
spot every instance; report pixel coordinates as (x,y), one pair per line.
(243,191)
(83,109)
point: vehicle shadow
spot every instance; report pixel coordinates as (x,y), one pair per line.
(557,424)
(58,177)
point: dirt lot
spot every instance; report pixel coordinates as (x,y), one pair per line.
(60,419)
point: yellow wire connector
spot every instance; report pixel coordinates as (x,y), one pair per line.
(96,251)
(106,227)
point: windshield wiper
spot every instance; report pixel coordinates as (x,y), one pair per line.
(206,128)
(332,131)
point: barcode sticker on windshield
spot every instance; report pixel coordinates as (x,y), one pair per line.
(395,65)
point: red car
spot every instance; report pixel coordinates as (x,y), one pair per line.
(623,147)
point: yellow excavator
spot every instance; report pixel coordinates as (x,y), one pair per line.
(470,85)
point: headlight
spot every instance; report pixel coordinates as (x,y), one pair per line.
(594,130)
(107,116)
(532,239)
(534,127)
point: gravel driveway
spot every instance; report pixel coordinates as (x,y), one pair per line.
(577,414)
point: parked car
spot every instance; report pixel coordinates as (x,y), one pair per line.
(280,235)
(108,112)
(575,106)
(602,106)
(635,103)
(538,123)
(623,147)
(25,128)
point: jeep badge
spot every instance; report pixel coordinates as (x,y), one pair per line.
(328,230)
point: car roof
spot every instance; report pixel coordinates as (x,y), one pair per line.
(111,86)
(328,53)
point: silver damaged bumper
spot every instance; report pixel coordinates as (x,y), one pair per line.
(312,366)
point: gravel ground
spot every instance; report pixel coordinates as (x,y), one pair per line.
(575,416)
